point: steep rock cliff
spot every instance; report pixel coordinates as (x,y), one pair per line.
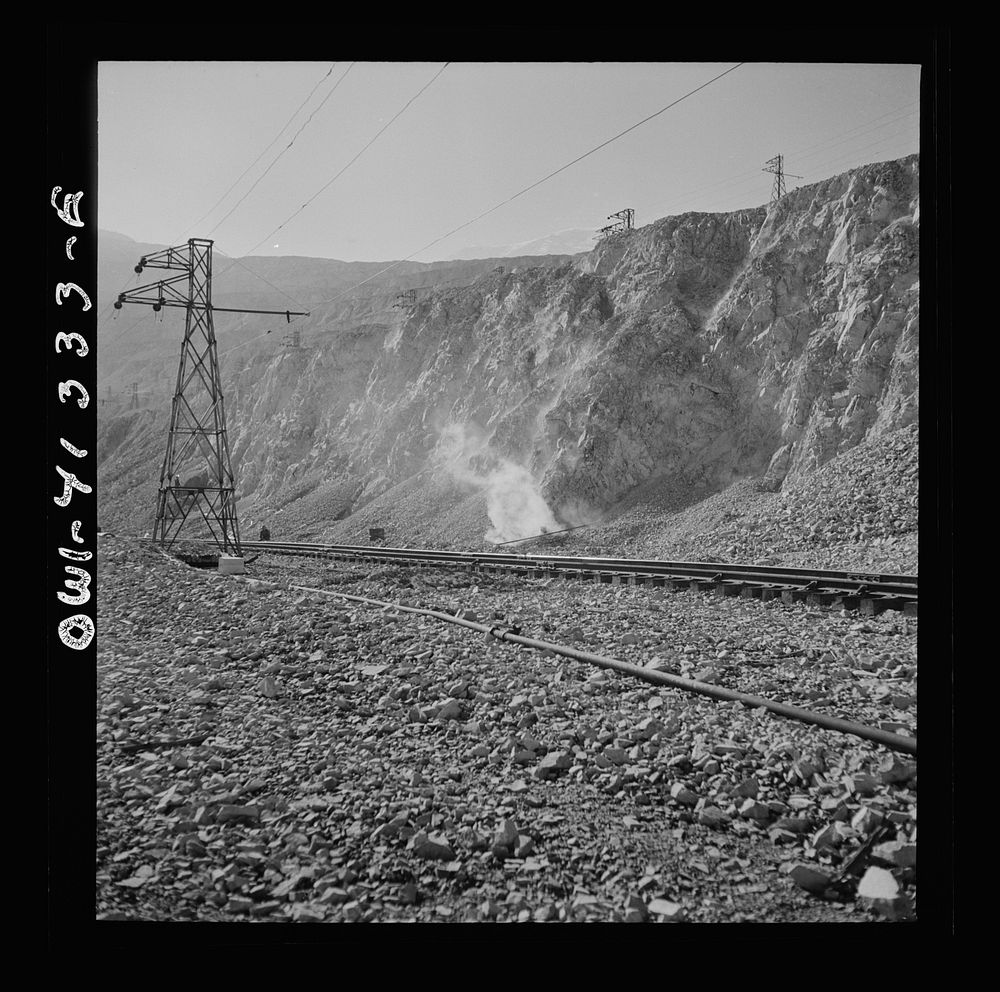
(700,349)
(822,322)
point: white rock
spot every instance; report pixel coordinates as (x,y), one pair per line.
(878,883)
(664,907)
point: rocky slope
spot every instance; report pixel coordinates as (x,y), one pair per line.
(701,350)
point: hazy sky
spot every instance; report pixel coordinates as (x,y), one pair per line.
(174,136)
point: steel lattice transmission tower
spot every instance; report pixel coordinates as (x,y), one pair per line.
(777,166)
(197,471)
(624,224)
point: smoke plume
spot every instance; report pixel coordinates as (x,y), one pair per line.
(514,501)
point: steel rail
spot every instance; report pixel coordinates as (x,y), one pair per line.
(786,578)
(895,742)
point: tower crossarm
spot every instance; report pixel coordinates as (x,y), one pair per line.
(178,257)
(626,216)
(172,298)
(164,293)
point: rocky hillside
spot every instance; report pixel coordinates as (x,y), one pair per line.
(135,346)
(701,350)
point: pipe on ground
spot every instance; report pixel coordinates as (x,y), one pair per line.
(895,742)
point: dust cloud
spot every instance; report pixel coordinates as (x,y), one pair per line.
(514,500)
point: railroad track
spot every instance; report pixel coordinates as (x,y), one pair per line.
(870,593)
(890,591)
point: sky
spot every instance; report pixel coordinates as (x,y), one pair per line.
(174,137)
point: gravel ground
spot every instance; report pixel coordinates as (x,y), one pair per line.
(351,764)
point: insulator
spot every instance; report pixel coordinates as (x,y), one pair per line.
(138,268)
(156,307)
(118,304)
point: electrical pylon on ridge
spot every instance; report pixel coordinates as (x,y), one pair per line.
(624,224)
(197,472)
(776,165)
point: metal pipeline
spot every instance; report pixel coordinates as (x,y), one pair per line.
(906,745)
(535,537)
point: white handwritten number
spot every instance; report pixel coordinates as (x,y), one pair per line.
(63,289)
(79,622)
(70,482)
(71,203)
(65,388)
(77,631)
(80,585)
(69,340)
(72,449)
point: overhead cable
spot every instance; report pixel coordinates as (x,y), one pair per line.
(283,150)
(535,184)
(262,154)
(330,182)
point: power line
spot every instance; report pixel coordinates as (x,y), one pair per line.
(857,151)
(285,149)
(753,175)
(261,155)
(108,306)
(373,312)
(859,127)
(485,213)
(122,334)
(327,75)
(838,139)
(743,179)
(353,160)
(842,164)
(243,344)
(828,169)
(236,261)
(394,264)
(834,140)
(533,185)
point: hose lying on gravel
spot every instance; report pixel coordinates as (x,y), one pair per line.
(895,742)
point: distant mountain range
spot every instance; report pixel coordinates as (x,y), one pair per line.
(569,242)
(134,349)
(572,241)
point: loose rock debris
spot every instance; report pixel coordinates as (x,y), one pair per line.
(267,755)
(857,511)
